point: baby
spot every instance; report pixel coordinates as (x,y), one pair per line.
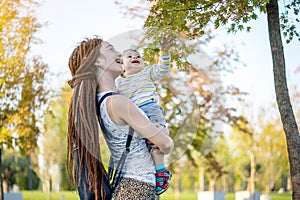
(137,83)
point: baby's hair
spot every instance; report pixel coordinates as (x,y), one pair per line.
(130,50)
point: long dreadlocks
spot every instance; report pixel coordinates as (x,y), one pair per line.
(83,126)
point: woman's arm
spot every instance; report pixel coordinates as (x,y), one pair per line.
(122,111)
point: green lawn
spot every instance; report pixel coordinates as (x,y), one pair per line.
(284,196)
(274,196)
(228,196)
(38,195)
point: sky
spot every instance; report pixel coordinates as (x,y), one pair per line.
(70,21)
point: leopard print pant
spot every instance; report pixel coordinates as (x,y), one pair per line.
(131,189)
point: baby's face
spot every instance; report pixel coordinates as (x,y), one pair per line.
(132,61)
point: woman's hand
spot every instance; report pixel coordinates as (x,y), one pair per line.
(164,130)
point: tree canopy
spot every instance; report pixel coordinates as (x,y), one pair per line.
(22,90)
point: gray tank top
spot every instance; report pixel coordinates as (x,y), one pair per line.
(139,163)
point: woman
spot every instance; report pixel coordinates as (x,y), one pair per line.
(94,65)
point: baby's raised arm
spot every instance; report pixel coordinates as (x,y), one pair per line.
(163,67)
(160,70)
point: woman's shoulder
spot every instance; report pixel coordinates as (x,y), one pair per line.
(118,102)
(112,98)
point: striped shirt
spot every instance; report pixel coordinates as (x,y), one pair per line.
(140,87)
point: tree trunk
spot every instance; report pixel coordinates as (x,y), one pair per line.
(1,181)
(176,181)
(212,183)
(201,179)
(177,186)
(30,178)
(282,96)
(47,184)
(5,185)
(252,174)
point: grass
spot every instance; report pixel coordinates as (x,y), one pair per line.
(183,196)
(228,196)
(39,195)
(69,195)
(283,196)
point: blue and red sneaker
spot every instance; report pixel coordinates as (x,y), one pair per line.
(162,181)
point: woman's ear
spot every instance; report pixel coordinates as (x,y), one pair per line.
(100,61)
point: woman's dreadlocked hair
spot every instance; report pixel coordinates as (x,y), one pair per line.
(83,126)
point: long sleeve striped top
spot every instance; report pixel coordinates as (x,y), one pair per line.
(140,87)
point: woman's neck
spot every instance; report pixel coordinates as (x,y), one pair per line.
(106,84)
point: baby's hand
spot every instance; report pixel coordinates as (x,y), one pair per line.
(167,42)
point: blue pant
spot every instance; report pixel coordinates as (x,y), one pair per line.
(83,189)
(154,112)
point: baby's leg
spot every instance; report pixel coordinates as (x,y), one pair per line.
(155,114)
(158,157)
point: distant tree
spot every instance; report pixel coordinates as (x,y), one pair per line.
(194,16)
(245,143)
(272,153)
(23,94)
(223,179)
(55,134)
(16,171)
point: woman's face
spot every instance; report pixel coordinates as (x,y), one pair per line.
(110,59)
